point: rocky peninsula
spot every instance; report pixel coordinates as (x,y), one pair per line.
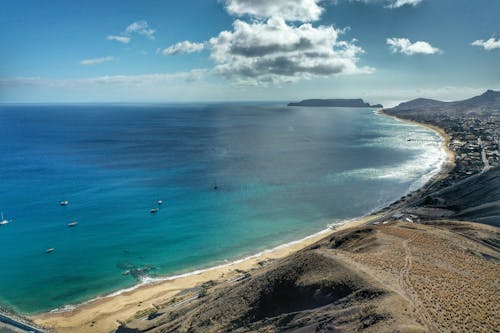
(340,103)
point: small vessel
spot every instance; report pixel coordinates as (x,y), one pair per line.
(3,221)
(160,202)
(72,224)
(49,250)
(154,210)
(64,203)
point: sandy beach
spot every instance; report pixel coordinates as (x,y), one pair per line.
(105,313)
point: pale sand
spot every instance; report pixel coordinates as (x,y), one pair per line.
(104,314)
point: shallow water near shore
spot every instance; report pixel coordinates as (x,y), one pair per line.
(280,174)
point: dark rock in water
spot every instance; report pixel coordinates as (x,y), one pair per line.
(353,103)
(133,270)
(141,271)
(125,265)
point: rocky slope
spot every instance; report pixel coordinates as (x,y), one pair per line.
(394,277)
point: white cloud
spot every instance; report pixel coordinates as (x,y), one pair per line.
(129,80)
(490,44)
(393,3)
(275,52)
(183,47)
(401,3)
(121,39)
(403,45)
(290,10)
(95,61)
(138,27)
(141,28)
(269,50)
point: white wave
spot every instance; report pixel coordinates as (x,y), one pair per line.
(428,161)
(64,308)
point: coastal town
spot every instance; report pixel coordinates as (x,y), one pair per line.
(475,141)
(473,133)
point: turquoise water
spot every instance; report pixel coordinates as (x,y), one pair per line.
(281,174)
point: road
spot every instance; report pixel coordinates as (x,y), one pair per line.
(17,325)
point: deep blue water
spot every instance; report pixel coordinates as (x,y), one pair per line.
(282,173)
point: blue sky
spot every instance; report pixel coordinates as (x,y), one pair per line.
(127,51)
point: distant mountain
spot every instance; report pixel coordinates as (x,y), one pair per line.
(489,100)
(347,103)
(485,103)
(420,103)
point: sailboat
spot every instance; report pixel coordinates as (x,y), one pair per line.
(2,220)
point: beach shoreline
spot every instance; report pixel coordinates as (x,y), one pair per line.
(448,164)
(105,313)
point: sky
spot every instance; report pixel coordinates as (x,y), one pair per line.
(166,51)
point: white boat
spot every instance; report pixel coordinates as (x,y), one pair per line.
(160,202)
(64,203)
(72,224)
(154,210)
(50,249)
(3,221)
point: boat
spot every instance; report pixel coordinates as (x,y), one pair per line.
(72,224)
(3,221)
(160,202)
(49,250)
(64,203)
(154,210)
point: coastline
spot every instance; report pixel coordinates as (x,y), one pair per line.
(106,312)
(449,164)
(103,314)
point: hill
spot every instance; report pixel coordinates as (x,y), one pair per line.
(396,277)
(486,103)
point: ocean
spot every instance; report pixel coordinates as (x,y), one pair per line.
(234,179)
